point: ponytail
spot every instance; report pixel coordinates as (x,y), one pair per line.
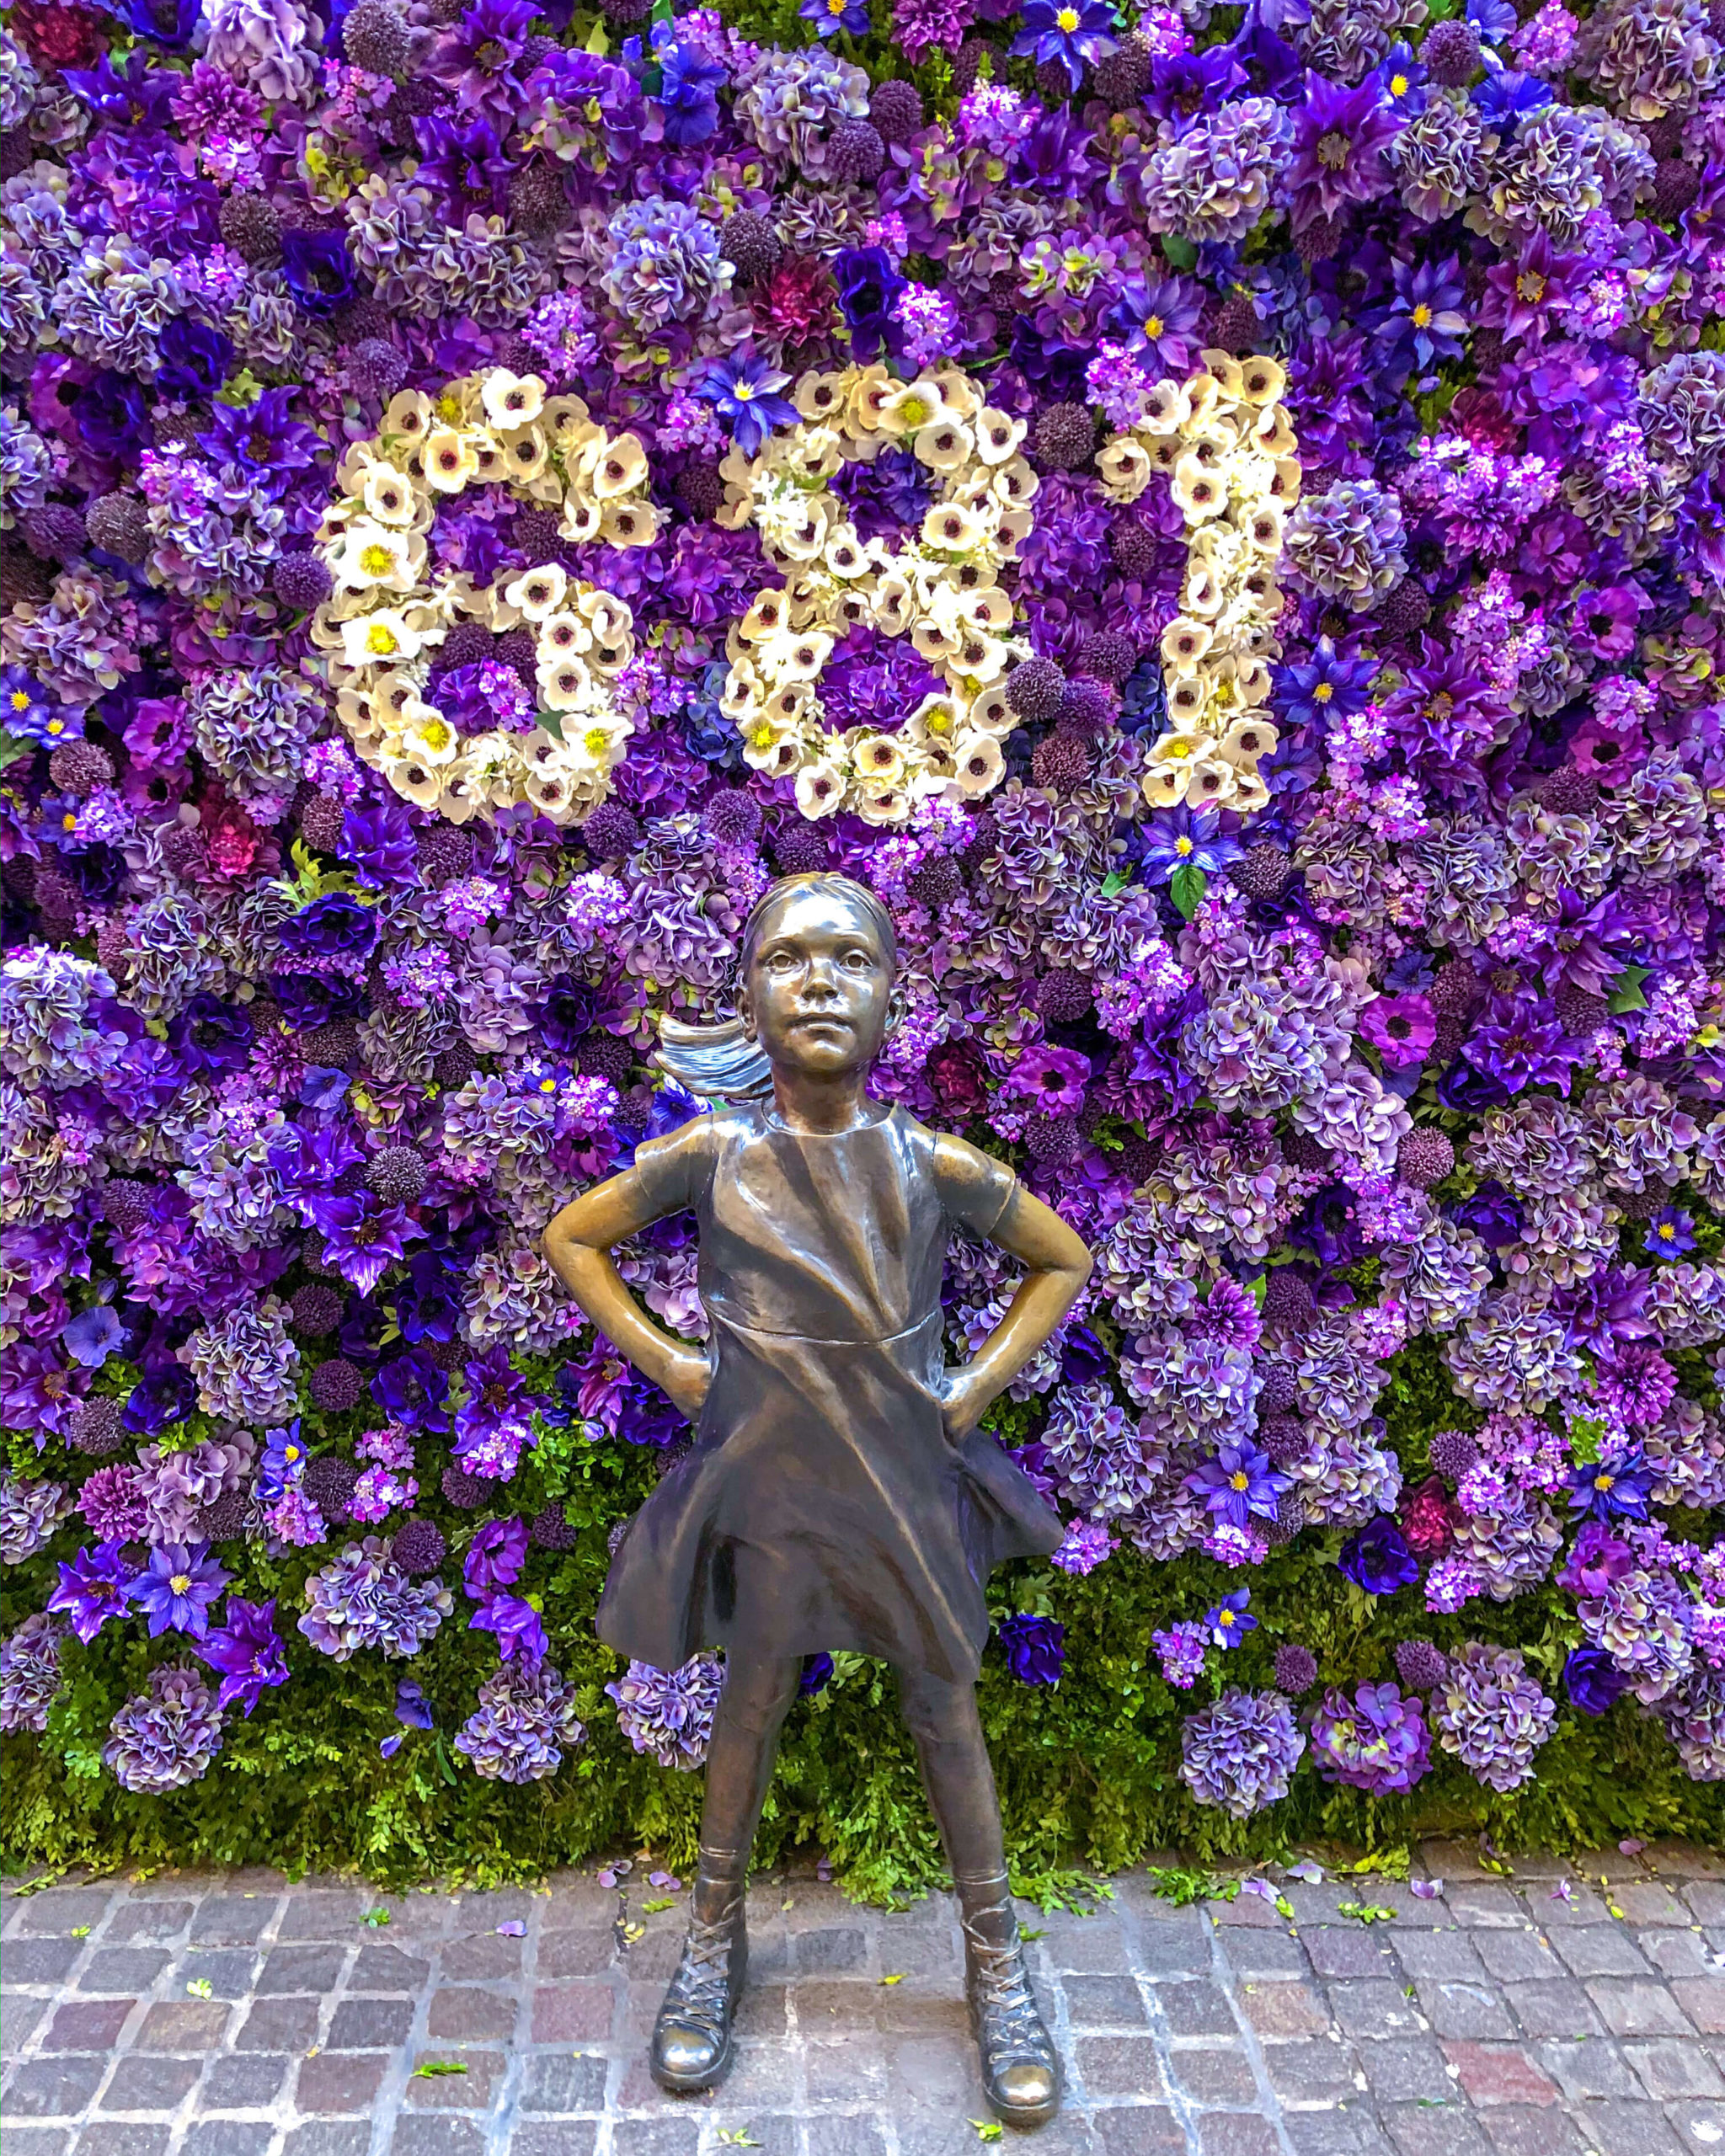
(721,1062)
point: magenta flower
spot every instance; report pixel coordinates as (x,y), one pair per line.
(93,1588)
(1052,1079)
(1401,1028)
(248,1650)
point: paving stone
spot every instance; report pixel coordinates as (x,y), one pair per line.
(1349,1951)
(1499,2073)
(369,2024)
(227,1971)
(655,2138)
(845,2135)
(1517,1956)
(1455,1955)
(125,2137)
(1593,2067)
(321,1913)
(1669,2068)
(1445,2129)
(182,2025)
(423,2137)
(300,1968)
(1700,2126)
(340,2081)
(54,2088)
(37,2140)
(147,2082)
(244,2081)
(279,2024)
(1629,2008)
(1371,2008)
(1617,2128)
(1702,1998)
(1259,1954)
(229,2138)
(88,2025)
(60,1910)
(1212,2078)
(21,2015)
(1600,1950)
(563,2082)
(585,1953)
(1455,2007)
(232,1920)
(1121,2066)
(574,2013)
(1684,1953)
(1140,2130)
(382,1968)
(328,2137)
(1406,2070)
(568,2138)
(1524,2130)
(1649,1902)
(1479,1903)
(114,1969)
(1237,2133)
(1555,2008)
(1196,2009)
(41,1960)
(1308,2073)
(1104,2003)
(1284,2009)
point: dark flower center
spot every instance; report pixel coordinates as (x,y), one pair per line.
(1333,151)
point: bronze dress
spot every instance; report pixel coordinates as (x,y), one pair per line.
(821,1505)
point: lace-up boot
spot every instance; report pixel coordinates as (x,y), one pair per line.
(1021,2070)
(693,2047)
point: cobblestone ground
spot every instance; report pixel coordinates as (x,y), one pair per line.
(240,2016)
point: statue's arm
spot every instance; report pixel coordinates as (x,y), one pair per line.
(578,1247)
(1057,1265)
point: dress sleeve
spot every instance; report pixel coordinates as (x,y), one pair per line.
(673,1170)
(975,1188)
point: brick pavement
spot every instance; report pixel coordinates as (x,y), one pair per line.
(240,2016)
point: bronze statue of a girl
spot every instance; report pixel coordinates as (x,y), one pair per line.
(838,1493)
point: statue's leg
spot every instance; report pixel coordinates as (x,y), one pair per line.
(1021,2073)
(691,2045)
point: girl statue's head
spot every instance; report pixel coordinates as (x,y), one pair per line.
(817,993)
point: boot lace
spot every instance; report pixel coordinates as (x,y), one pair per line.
(1012,2023)
(700,1989)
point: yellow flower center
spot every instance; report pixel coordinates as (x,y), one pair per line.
(1239,1481)
(1067,18)
(380,638)
(180,1581)
(1421,317)
(20,700)
(376,560)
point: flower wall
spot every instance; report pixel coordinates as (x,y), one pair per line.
(1217,517)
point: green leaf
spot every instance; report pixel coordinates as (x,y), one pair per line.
(987,2129)
(1260,1288)
(1624,993)
(1180,251)
(652,1909)
(1187,887)
(1364,1912)
(434,2068)
(375,1917)
(201,1987)
(12,750)
(1115,882)
(1584,1440)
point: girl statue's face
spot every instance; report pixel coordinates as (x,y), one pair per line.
(818,994)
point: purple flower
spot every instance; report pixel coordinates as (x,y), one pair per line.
(335,926)
(1670,1233)
(1401,1028)
(1240,1753)
(868,287)
(1174,839)
(1052,1079)
(1238,1482)
(93,1588)
(412,1707)
(829,17)
(1378,1558)
(318,269)
(1035,1648)
(496,1556)
(1379,1743)
(1069,33)
(1231,1620)
(668,1712)
(516,1624)
(1593,1680)
(377,843)
(1615,1486)
(744,390)
(196,359)
(177,1587)
(1340,138)
(95,1334)
(248,1650)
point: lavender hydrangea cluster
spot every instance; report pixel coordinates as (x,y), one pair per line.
(1221,526)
